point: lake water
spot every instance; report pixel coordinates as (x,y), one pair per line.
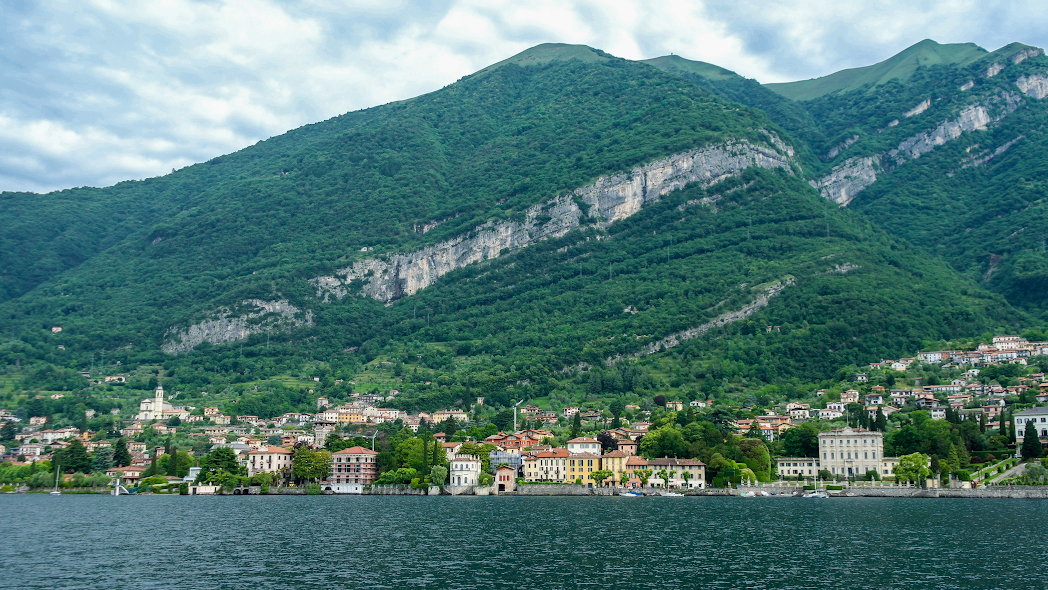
(527,542)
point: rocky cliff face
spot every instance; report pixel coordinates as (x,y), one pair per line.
(1035,86)
(849,178)
(251,317)
(609,199)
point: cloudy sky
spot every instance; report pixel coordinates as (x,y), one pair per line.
(98,91)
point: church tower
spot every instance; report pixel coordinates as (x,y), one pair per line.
(158,402)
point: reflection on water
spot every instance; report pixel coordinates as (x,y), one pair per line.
(529,542)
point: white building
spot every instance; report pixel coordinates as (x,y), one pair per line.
(268,460)
(1039,417)
(583,444)
(851,452)
(153,409)
(464,471)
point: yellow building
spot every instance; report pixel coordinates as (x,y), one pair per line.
(581,465)
(615,462)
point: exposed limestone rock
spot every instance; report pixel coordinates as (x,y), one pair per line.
(919,108)
(840,147)
(984,157)
(230,325)
(1035,86)
(674,340)
(847,179)
(1026,53)
(967,85)
(993,70)
(609,199)
(972,118)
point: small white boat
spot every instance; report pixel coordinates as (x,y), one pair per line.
(816,494)
(672,495)
(750,494)
(630,495)
(58,473)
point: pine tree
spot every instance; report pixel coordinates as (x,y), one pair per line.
(1031,448)
(425,457)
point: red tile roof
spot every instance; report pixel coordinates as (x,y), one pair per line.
(355,451)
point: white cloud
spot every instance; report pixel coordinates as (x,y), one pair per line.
(99,91)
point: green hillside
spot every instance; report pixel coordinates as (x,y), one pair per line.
(781,285)
(900,67)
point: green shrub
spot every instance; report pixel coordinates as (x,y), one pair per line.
(313,489)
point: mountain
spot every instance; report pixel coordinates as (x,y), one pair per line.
(560,210)
(899,67)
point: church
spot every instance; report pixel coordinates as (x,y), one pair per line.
(153,409)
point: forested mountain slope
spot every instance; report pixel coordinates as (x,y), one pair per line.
(942,145)
(561,207)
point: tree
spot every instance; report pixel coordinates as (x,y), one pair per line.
(912,467)
(686,475)
(576,425)
(600,475)
(756,456)
(659,400)
(309,465)
(880,422)
(218,465)
(665,477)
(8,431)
(663,442)
(801,441)
(438,475)
(102,459)
(175,464)
(74,458)
(121,456)
(1031,448)
(643,475)
(607,441)
(624,479)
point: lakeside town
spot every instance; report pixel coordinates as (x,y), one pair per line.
(969,425)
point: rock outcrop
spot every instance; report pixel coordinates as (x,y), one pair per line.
(252,317)
(762,300)
(1035,86)
(848,179)
(840,147)
(923,106)
(606,201)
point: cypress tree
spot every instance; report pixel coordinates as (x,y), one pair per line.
(172,461)
(1031,448)
(576,425)
(881,423)
(121,456)
(425,457)
(1003,424)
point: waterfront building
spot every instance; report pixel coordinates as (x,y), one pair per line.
(615,462)
(510,457)
(676,470)
(352,468)
(464,471)
(505,479)
(551,465)
(1039,416)
(581,465)
(268,459)
(797,466)
(851,452)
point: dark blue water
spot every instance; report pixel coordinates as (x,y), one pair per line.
(527,542)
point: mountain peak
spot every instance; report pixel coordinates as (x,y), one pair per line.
(550,52)
(900,66)
(676,64)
